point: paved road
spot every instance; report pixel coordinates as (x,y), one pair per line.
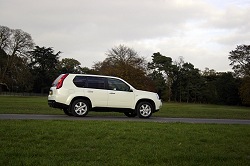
(123,118)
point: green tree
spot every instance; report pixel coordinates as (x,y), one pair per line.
(164,65)
(208,72)
(3,58)
(227,89)
(86,70)
(160,84)
(209,89)
(245,91)
(69,65)
(220,88)
(240,60)
(188,83)
(43,63)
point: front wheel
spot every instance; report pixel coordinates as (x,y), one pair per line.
(80,107)
(144,109)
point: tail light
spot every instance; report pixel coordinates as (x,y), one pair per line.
(60,82)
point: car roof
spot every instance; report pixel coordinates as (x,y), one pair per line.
(93,75)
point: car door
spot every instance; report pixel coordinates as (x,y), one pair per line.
(96,91)
(119,94)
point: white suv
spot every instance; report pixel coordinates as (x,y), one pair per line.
(76,94)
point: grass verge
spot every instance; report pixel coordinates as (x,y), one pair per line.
(30,142)
(190,110)
(39,105)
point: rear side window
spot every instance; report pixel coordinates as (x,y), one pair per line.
(96,82)
(80,81)
(89,82)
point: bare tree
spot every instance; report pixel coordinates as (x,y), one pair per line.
(5,34)
(21,43)
(125,56)
(125,62)
(16,43)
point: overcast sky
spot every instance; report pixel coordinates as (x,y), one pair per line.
(203,32)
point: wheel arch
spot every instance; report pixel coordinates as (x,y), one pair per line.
(146,100)
(81,97)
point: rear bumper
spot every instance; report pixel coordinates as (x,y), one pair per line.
(54,104)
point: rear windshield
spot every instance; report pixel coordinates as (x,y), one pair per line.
(56,80)
(89,82)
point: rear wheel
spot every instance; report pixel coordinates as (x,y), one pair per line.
(80,107)
(144,109)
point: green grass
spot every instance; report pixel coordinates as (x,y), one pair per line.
(39,105)
(26,105)
(55,142)
(46,142)
(189,110)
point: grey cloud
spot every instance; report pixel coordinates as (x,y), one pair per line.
(86,29)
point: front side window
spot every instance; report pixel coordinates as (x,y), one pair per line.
(96,82)
(118,85)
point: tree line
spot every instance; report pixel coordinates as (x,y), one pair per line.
(26,67)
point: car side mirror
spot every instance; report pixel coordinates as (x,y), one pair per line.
(130,90)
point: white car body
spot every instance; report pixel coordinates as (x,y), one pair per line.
(100,92)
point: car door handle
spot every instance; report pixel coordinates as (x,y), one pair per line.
(112,93)
(90,91)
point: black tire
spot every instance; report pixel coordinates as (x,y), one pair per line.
(144,109)
(130,114)
(67,112)
(80,107)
